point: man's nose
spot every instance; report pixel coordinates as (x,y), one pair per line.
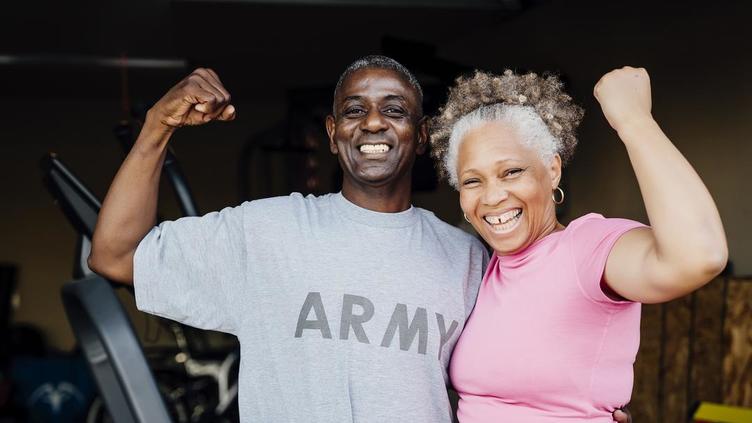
(373,122)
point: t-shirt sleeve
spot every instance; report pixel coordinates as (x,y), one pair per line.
(593,237)
(184,270)
(478,263)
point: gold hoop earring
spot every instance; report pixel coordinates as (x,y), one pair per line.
(468,220)
(553,196)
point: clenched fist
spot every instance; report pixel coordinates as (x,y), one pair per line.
(624,96)
(197,99)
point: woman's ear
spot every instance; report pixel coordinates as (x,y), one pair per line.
(555,171)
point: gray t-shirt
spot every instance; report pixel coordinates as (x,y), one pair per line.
(343,314)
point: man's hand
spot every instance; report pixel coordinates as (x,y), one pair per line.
(624,96)
(197,99)
(622,415)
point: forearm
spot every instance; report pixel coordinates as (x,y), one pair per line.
(130,208)
(690,244)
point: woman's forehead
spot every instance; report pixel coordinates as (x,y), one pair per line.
(493,144)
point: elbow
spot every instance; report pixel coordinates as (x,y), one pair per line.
(97,258)
(688,275)
(705,267)
(96,265)
(715,261)
(110,267)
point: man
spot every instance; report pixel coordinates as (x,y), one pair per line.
(347,306)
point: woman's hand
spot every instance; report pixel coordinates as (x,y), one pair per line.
(624,96)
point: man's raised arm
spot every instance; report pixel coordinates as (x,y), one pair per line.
(129,210)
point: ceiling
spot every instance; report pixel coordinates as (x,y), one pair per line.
(77,49)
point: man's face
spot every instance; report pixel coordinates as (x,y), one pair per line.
(377,128)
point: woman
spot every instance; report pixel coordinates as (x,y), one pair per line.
(555,330)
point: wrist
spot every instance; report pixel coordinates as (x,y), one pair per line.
(636,127)
(155,124)
(154,133)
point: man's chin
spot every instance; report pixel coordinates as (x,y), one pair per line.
(375,175)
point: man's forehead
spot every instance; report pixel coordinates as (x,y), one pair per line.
(375,82)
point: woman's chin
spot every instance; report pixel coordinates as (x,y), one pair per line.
(505,241)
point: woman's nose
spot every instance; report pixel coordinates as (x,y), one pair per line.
(494,194)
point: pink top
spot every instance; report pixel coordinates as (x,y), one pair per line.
(544,343)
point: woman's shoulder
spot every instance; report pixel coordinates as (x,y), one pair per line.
(597,222)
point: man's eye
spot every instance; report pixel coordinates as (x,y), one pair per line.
(394,111)
(470,182)
(354,111)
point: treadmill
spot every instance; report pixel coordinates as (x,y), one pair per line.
(97,317)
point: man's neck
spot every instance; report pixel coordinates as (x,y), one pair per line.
(389,198)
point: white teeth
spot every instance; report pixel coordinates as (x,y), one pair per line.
(504,221)
(374,148)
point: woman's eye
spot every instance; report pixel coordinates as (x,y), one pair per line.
(513,172)
(470,182)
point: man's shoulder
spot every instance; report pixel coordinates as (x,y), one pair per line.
(291,202)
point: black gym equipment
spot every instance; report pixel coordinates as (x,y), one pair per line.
(99,322)
(197,386)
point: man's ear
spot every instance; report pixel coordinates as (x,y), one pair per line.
(555,171)
(422,135)
(330,131)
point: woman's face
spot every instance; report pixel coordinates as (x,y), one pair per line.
(505,187)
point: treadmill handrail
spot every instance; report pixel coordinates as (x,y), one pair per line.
(78,203)
(113,352)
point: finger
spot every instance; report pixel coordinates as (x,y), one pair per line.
(195,97)
(219,97)
(201,78)
(196,118)
(228,113)
(596,88)
(621,417)
(206,103)
(211,103)
(195,90)
(210,77)
(218,83)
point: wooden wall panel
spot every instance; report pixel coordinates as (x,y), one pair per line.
(675,360)
(707,344)
(737,362)
(647,369)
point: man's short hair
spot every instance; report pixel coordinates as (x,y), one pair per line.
(376,61)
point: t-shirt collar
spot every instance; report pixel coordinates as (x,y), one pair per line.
(374,218)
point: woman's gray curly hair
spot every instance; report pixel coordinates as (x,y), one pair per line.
(536,106)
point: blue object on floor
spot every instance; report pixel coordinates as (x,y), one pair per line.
(54,389)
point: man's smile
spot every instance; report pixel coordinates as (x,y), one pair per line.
(371,149)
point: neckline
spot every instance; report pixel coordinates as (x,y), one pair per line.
(524,255)
(373,218)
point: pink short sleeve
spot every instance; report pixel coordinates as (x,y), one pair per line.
(592,237)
